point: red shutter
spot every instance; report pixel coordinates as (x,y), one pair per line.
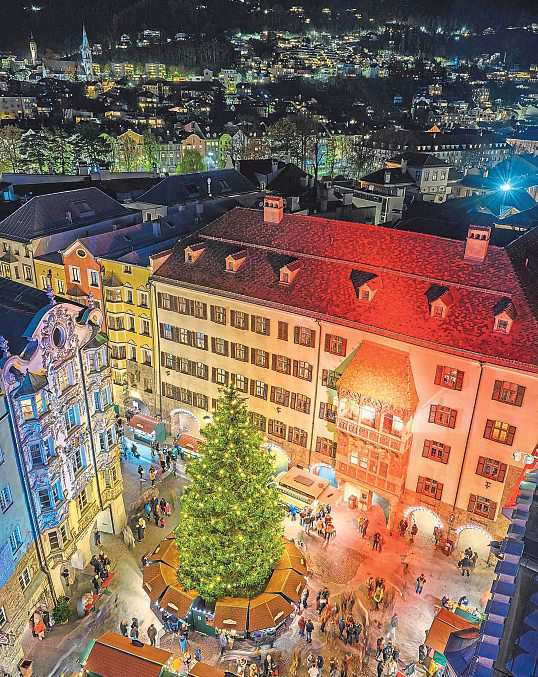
(439,491)
(452,419)
(427,450)
(324,377)
(273,362)
(212,313)
(272,395)
(252,384)
(492,510)
(420,485)
(213,374)
(480,466)
(438,376)
(502,472)
(322,410)
(511,434)
(488,429)
(296,334)
(344,347)
(293,400)
(519,396)
(295,367)
(213,344)
(472,503)
(497,388)
(459,380)
(446,453)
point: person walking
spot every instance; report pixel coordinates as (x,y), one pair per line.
(140,471)
(392,628)
(319,664)
(414,532)
(140,528)
(301,623)
(152,475)
(152,635)
(198,654)
(223,643)
(97,538)
(96,583)
(420,584)
(304,598)
(309,629)
(365,527)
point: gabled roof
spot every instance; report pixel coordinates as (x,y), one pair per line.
(18,306)
(407,263)
(49,214)
(113,655)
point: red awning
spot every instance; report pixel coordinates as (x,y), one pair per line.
(188,442)
(146,424)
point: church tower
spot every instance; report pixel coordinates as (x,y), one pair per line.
(33,50)
(86,57)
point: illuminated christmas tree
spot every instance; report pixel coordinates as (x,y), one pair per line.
(230,525)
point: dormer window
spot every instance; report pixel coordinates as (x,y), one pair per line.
(505,314)
(365,285)
(194,251)
(439,299)
(289,272)
(235,262)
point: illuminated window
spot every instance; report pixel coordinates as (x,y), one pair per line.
(491,468)
(479,505)
(277,428)
(282,364)
(218,314)
(436,451)
(392,425)
(499,431)
(260,325)
(368,416)
(509,393)
(448,377)
(238,319)
(428,487)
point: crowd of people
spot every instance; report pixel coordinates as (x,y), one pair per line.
(155,509)
(319,521)
(268,667)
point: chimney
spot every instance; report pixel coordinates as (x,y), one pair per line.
(273,209)
(476,246)
(387,177)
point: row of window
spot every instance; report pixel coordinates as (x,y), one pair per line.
(5,270)
(129,352)
(279,429)
(478,505)
(503,391)
(184,395)
(128,322)
(116,296)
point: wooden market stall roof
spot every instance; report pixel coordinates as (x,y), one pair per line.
(156,578)
(267,611)
(178,600)
(286,582)
(166,552)
(113,655)
(204,670)
(231,613)
(381,377)
(292,558)
(444,624)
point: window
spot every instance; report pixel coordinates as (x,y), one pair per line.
(6,498)
(282,364)
(510,393)
(145,327)
(127,270)
(82,500)
(502,326)
(200,310)
(490,468)
(444,416)
(200,401)
(283,331)
(98,404)
(260,325)
(429,487)
(220,376)
(167,332)
(239,319)
(27,273)
(25,578)
(260,358)
(280,396)
(326,447)
(258,389)
(15,539)
(240,352)
(2,456)
(327,411)
(302,370)
(240,382)
(128,295)
(277,428)
(499,431)
(478,505)
(449,378)
(392,425)
(45,500)
(72,417)
(300,403)
(297,436)
(329,378)
(3,617)
(200,340)
(304,336)
(368,416)
(131,323)
(258,421)
(143,299)
(93,277)
(54,540)
(146,357)
(132,353)
(218,314)
(79,460)
(219,346)
(336,345)
(75,273)
(436,451)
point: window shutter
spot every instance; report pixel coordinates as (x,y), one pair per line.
(488,429)
(452,419)
(472,503)
(252,322)
(426,451)
(205,341)
(267,331)
(162,359)
(459,380)
(446,453)
(511,434)
(265,391)
(324,377)
(439,491)
(433,412)
(293,400)
(159,299)
(232,378)
(272,395)
(190,306)
(307,406)
(492,510)
(232,318)
(227,378)
(290,434)
(322,410)
(327,343)
(318,443)
(420,485)
(286,398)
(233,350)
(273,362)
(480,466)
(502,472)
(212,313)
(253,355)
(270,426)
(497,388)
(213,374)
(344,347)
(213,344)
(173,303)
(252,386)
(226,348)
(296,334)
(519,396)
(295,367)
(438,375)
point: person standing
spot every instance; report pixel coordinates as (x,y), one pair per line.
(134,628)
(140,471)
(420,584)
(414,532)
(96,583)
(223,643)
(152,475)
(304,598)
(152,634)
(319,664)
(124,628)
(309,629)
(140,528)
(392,627)
(301,623)
(364,527)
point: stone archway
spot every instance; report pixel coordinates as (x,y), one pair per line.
(326,472)
(184,422)
(476,537)
(426,520)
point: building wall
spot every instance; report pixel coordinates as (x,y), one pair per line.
(79,263)
(50,274)
(473,404)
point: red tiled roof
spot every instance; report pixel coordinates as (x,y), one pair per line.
(407,263)
(115,656)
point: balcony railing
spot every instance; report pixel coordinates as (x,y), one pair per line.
(377,437)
